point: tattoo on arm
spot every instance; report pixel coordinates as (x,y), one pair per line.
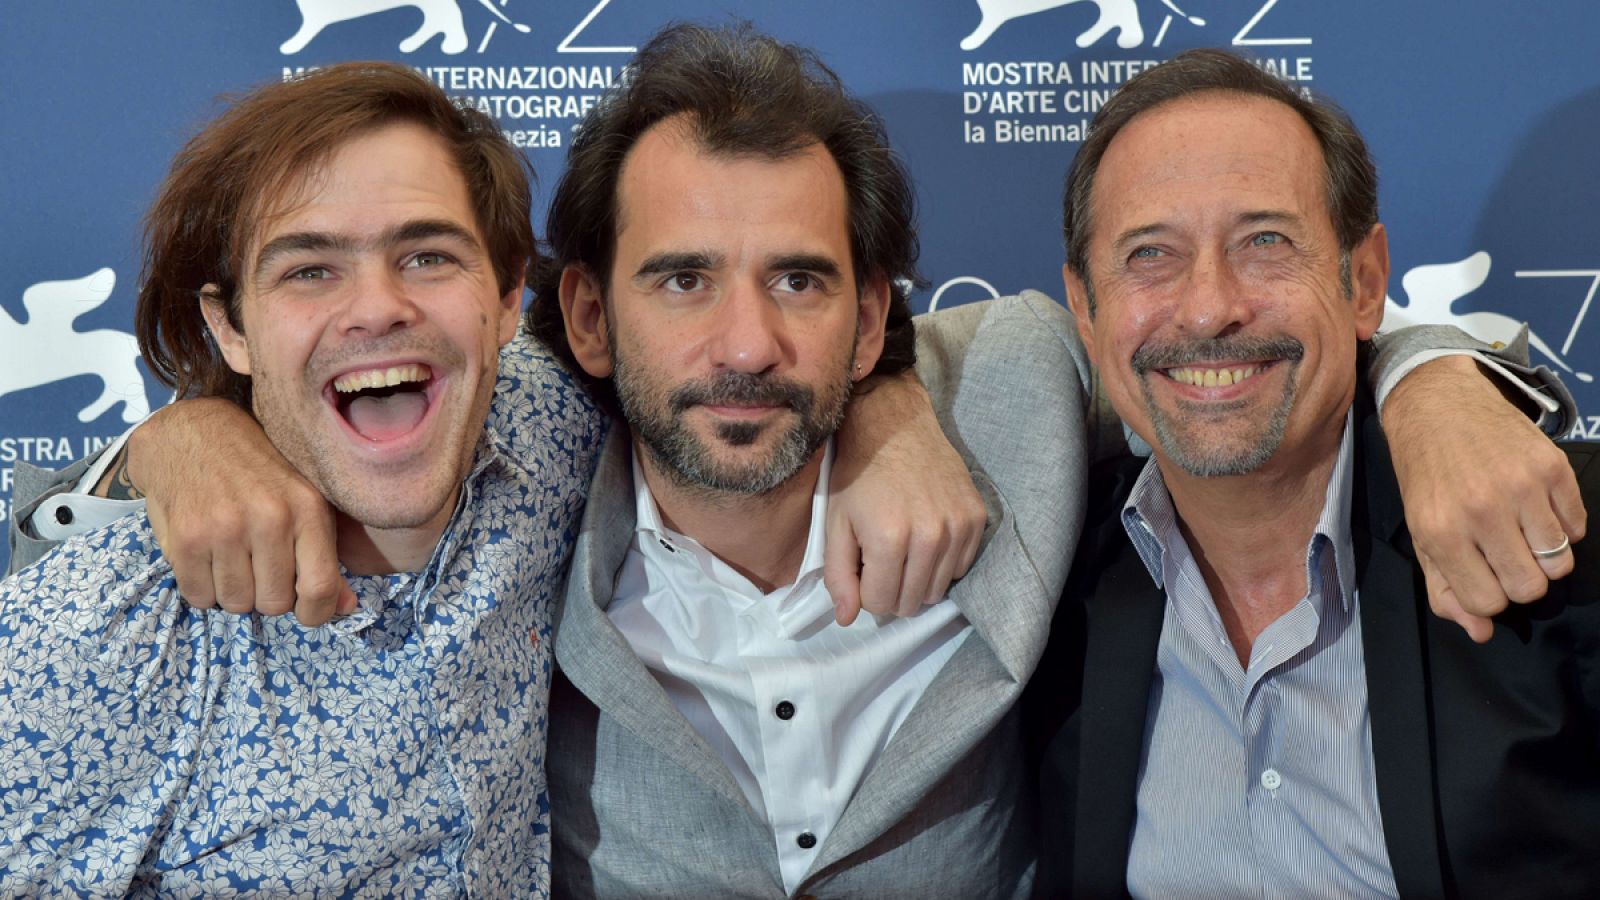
(116,484)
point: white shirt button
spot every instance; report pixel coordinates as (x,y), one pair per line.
(1271,780)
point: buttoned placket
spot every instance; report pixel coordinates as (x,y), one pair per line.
(788,745)
(792,736)
(1255,692)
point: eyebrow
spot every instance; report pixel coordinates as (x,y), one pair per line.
(404,233)
(678,261)
(1134,234)
(1268,217)
(805,262)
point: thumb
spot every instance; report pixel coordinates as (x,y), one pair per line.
(1442,600)
(347,599)
(841,570)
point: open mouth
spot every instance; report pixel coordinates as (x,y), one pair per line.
(383,404)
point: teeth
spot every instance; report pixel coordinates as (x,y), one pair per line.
(1212,377)
(381,378)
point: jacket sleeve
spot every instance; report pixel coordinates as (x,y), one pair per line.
(33,486)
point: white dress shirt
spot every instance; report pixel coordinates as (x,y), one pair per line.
(798,707)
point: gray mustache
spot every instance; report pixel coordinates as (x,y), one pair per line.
(1167,356)
(741,389)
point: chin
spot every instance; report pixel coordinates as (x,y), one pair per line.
(394,502)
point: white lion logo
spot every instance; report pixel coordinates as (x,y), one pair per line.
(1122,15)
(46,349)
(439,18)
(1434,289)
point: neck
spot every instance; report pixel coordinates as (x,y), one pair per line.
(761,536)
(1249,534)
(369,550)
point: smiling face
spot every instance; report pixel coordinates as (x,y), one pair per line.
(1223,328)
(371,325)
(732,322)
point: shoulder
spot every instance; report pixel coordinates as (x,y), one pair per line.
(103,600)
(99,574)
(542,418)
(98,661)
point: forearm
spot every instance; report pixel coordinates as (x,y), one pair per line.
(1015,399)
(1479,540)
(1537,391)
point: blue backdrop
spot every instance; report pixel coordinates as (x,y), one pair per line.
(1483,116)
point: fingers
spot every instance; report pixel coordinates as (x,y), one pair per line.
(1517,570)
(841,568)
(919,583)
(211,562)
(883,566)
(1484,544)
(1474,585)
(1544,533)
(272,553)
(1567,501)
(318,588)
(1543,507)
(1442,600)
(896,568)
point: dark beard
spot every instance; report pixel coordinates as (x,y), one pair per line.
(690,462)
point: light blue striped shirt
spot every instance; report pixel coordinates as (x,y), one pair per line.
(1256,781)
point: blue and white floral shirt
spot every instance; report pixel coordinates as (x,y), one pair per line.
(146,747)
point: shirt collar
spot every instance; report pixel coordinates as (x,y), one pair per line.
(655,540)
(375,593)
(1152,523)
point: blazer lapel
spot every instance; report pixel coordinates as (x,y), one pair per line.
(1004,599)
(595,656)
(1124,613)
(1395,648)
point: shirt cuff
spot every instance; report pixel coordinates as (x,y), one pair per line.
(77,511)
(1547,406)
(67,515)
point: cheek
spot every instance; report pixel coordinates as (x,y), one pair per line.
(292,335)
(1120,336)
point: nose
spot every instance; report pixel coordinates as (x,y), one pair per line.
(1215,301)
(750,335)
(378,303)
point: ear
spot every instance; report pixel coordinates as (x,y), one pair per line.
(584,312)
(1078,302)
(231,341)
(872,324)
(510,312)
(1369,281)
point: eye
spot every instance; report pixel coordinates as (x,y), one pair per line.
(1146,252)
(308,273)
(797,282)
(428,259)
(684,282)
(1267,239)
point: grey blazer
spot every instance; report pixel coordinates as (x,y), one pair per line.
(642,806)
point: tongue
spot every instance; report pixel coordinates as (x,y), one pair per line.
(386,418)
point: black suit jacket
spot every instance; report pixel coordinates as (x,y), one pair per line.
(1487,757)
